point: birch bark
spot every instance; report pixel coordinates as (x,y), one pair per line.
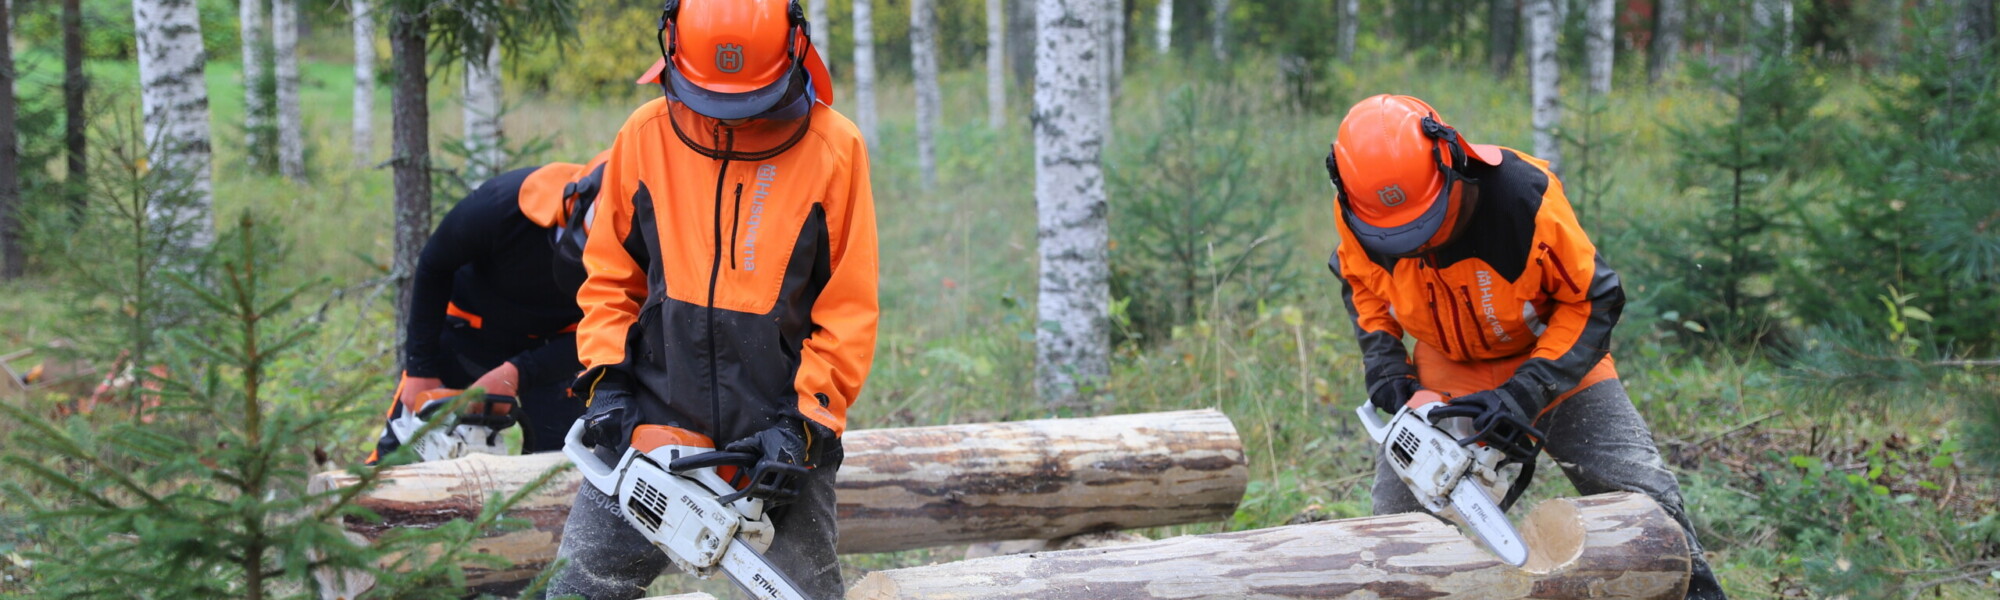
(364,81)
(291,122)
(252,29)
(996,64)
(864,71)
(1544,80)
(1665,48)
(923,60)
(1599,46)
(1218,18)
(483,134)
(1163,26)
(1072,339)
(173,97)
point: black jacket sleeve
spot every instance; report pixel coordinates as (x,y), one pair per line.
(463,237)
(554,361)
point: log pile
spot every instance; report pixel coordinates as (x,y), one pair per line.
(898,489)
(1609,546)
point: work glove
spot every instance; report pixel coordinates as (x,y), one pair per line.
(783,460)
(609,421)
(1497,421)
(1390,394)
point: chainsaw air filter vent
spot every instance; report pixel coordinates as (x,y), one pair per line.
(647,504)
(1403,449)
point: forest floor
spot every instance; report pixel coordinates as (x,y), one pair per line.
(1795,493)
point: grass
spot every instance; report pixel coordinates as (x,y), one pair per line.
(958,284)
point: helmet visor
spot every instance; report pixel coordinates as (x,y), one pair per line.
(724,105)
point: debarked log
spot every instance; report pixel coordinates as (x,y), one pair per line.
(898,489)
(1608,546)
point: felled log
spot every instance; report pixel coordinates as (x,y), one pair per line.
(898,489)
(1609,546)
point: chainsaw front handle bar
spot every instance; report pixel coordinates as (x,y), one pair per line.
(706,460)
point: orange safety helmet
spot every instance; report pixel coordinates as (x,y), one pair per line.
(1395,167)
(736,59)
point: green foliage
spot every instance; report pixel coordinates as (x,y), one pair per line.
(1919,210)
(1720,267)
(1189,215)
(603,64)
(1845,531)
(108,28)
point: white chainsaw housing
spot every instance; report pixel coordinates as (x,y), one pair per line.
(448,440)
(678,513)
(1430,461)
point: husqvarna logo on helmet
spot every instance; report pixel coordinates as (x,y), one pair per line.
(1390,196)
(729,57)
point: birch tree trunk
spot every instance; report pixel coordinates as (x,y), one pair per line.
(1544,80)
(1072,340)
(1503,25)
(173,96)
(258,131)
(923,60)
(1772,23)
(1218,18)
(291,123)
(821,28)
(864,71)
(483,135)
(410,124)
(1598,43)
(1350,26)
(13,260)
(1163,27)
(364,82)
(75,86)
(996,64)
(1665,47)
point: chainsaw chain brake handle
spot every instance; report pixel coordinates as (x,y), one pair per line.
(1422,402)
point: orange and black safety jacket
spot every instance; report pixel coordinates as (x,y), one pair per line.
(490,275)
(1521,300)
(725,293)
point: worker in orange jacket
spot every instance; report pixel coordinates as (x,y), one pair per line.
(493,301)
(732,283)
(1473,251)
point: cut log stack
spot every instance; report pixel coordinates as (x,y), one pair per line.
(898,489)
(1610,546)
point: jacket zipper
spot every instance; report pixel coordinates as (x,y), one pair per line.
(1479,327)
(1431,290)
(715,272)
(1551,252)
(735,218)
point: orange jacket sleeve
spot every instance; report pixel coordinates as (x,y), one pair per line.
(835,359)
(615,286)
(1588,300)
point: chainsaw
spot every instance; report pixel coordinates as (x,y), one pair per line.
(673,486)
(461,434)
(1452,471)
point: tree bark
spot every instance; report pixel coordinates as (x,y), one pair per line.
(1611,546)
(822,29)
(1664,53)
(898,489)
(76,85)
(483,133)
(1599,43)
(13,259)
(864,71)
(1772,24)
(923,60)
(1073,342)
(1218,15)
(364,82)
(291,122)
(410,121)
(173,96)
(260,134)
(1502,26)
(1544,80)
(996,64)
(1163,27)
(1350,27)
